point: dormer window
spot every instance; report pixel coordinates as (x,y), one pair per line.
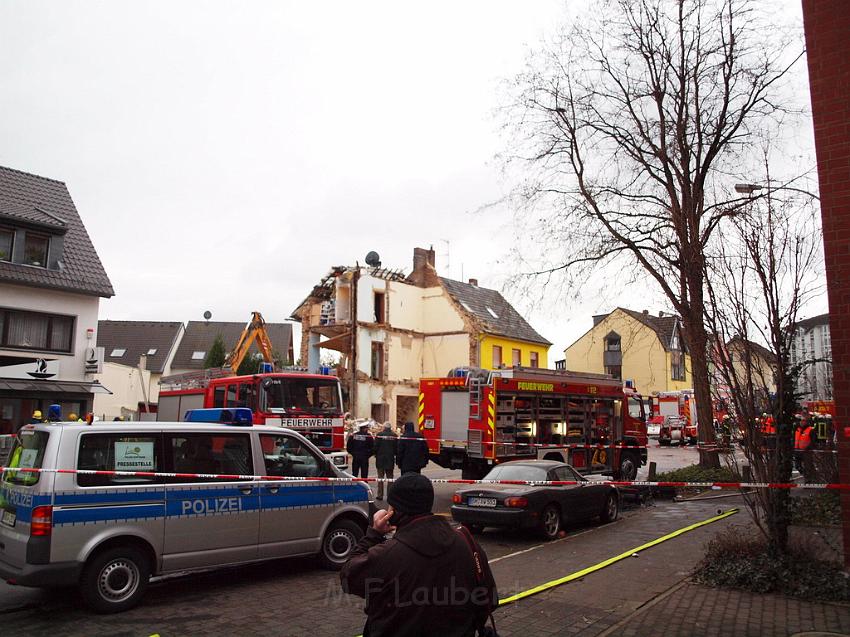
(35,249)
(492,313)
(118,352)
(7,242)
(152,351)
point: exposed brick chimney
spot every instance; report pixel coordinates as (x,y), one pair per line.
(473,282)
(424,268)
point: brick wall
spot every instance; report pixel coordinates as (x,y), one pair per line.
(827,24)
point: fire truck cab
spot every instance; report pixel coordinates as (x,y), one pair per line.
(310,404)
(474,419)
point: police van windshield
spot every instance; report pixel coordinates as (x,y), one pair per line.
(27,453)
(302,396)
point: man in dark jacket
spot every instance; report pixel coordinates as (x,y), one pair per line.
(386,444)
(428,579)
(412,452)
(360,445)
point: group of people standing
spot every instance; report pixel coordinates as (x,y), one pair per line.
(409,453)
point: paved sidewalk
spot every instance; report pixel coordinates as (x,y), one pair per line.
(652,594)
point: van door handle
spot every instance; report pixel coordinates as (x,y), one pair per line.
(246,490)
(273,490)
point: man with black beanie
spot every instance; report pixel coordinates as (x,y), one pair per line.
(428,579)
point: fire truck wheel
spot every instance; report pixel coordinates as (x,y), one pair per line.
(664,443)
(628,467)
(550,522)
(611,510)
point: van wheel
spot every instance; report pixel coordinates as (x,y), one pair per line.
(115,580)
(338,543)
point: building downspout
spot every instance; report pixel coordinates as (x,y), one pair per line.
(352,394)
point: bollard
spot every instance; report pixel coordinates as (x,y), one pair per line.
(652,472)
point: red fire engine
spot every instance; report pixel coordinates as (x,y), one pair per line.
(476,418)
(311,404)
(679,412)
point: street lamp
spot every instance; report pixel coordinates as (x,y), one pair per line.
(747,189)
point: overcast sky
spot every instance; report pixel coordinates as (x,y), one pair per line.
(224,155)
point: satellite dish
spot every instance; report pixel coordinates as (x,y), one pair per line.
(373,259)
(207,315)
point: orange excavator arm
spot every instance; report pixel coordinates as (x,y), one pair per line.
(255,330)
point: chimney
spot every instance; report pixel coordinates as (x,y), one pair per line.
(597,319)
(646,312)
(424,270)
(473,282)
(661,314)
(143,362)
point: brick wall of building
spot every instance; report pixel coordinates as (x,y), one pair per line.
(827,24)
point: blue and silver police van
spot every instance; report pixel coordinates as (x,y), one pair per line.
(110,533)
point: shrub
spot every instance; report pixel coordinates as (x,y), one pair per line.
(696,473)
(738,558)
(819,509)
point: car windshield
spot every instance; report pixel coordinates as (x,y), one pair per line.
(302,395)
(517,472)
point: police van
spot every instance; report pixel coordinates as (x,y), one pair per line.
(110,533)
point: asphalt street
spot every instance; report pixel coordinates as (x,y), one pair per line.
(17,602)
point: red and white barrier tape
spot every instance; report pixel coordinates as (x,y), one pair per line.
(536,483)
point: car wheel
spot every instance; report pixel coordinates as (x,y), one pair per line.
(550,522)
(628,468)
(611,509)
(338,543)
(115,579)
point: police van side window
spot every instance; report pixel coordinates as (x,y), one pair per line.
(206,453)
(119,452)
(288,457)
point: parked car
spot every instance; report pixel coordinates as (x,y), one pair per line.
(543,508)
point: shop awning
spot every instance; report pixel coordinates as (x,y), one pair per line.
(52,387)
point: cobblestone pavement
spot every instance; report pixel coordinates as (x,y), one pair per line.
(648,594)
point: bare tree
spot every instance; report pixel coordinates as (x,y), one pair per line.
(631,128)
(764,269)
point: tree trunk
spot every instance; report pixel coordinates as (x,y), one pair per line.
(697,339)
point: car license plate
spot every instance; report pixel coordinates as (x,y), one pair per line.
(9,518)
(481,502)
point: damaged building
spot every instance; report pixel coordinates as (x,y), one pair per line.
(391,329)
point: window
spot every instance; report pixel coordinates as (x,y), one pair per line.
(497,356)
(35,250)
(117,352)
(616,371)
(198,356)
(677,366)
(119,452)
(152,351)
(379,412)
(7,242)
(218,396)
(288,457)
(245,397)
(492,313)
(231,395)
(466,307)
(377,361)
(380,307)
(33,330)
(28,453)
(534,359)
(516,357)
(210,453)
(612,342)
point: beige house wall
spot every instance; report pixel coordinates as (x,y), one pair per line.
(128,386)
(645,361)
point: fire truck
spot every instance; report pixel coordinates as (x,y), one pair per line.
(679,411)
(474,419)
(311,404)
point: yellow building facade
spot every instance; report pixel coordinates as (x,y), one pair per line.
(634,346)
(498,351)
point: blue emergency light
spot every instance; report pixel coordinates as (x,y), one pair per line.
(240,416)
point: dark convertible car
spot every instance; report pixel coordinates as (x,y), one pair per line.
(544,508)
